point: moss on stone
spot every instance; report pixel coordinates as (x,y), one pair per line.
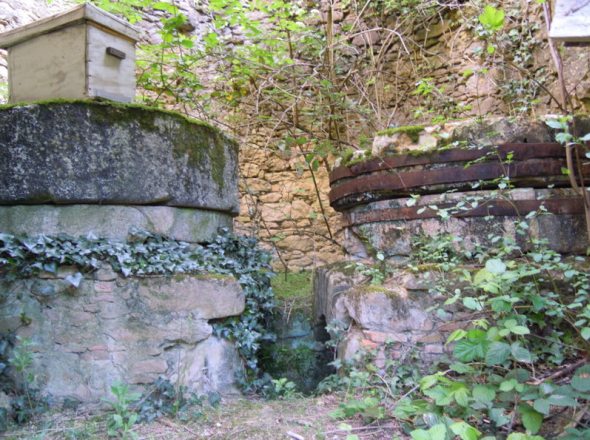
(202,143)
(413,131)
(292,285)
(107,104)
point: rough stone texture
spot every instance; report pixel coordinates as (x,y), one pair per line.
(445,62)
(494,130)
(113,221)
(396,313)
(565,233)
(280,204)
(132,330)
(90,152)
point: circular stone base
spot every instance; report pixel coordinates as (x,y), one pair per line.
(389,225)
(113,221)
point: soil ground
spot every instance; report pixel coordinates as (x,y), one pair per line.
(304,418)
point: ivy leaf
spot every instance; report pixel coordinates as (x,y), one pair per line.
(581,379)
(491,18)
(531,419)
(586,333)
(75,279)
(498,353)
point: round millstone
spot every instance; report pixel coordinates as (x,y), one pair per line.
(104,153)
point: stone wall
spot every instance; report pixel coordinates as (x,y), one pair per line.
(392,320)
(109,172)
(113,329)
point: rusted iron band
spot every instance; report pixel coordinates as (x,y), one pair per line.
(498,208)
(520,152)
(544,171)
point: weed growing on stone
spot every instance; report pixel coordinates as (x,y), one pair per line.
(516,368)
(164,399)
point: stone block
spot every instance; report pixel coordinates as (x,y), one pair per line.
(98,153)
(211,297)
(133,332)
(113,221)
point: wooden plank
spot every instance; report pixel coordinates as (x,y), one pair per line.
(108,76)
(49,67)
(72,17)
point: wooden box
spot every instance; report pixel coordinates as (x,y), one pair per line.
(571,21)
(82,53)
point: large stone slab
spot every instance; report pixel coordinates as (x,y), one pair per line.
(105,153)
(113,221)
(132,330)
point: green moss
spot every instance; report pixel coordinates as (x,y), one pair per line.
(107,104)
(292,285)
(368,289)
(203,144)
(413,131)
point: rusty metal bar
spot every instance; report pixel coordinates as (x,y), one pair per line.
(520,152)
(544,171)
(499,208)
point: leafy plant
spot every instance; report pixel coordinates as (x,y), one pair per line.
(124,417)
(164,399)
(496,379)
(281,388)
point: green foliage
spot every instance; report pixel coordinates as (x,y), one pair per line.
(164,399)
(492,19)
(281,388)
(495,379)
(27,401)
(413,131)
(124,417)
(368,408)
(292,285)
(144,254)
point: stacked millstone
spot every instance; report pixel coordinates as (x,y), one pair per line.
(407,192)
(88,167)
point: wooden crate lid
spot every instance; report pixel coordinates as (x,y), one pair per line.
(571,21)
(79,14)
